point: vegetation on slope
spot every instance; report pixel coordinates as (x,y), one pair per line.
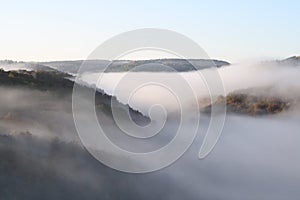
(39,168)
(253,104)
(58,83)
(42,80)
(155,65)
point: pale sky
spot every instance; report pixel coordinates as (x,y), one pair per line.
(229,30)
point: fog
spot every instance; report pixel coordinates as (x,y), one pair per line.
(43,114)
(141,90)
(255,157)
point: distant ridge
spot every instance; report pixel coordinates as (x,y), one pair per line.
(155,65)
(293,61)
(293,58)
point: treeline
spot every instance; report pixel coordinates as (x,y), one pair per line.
(249,104)
(42,80)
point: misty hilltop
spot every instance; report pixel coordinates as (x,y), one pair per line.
(152,65)
(58,76)
(41,150)
(290,61)
(156,65)
(241,102)
(56,86)
(9,65)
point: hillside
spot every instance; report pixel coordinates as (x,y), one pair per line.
(290,61)
(10,65)
(60,86)
(180,65)
(38,168)
(254,102)
(41,80)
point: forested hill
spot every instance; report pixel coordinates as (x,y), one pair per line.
(256,102)
(59,84)
(156,65)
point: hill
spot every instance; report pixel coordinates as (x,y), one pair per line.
(254,102)
(60,86)
(291,61)
(180,65)
(156,65)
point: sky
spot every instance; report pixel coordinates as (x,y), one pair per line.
(229,30)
